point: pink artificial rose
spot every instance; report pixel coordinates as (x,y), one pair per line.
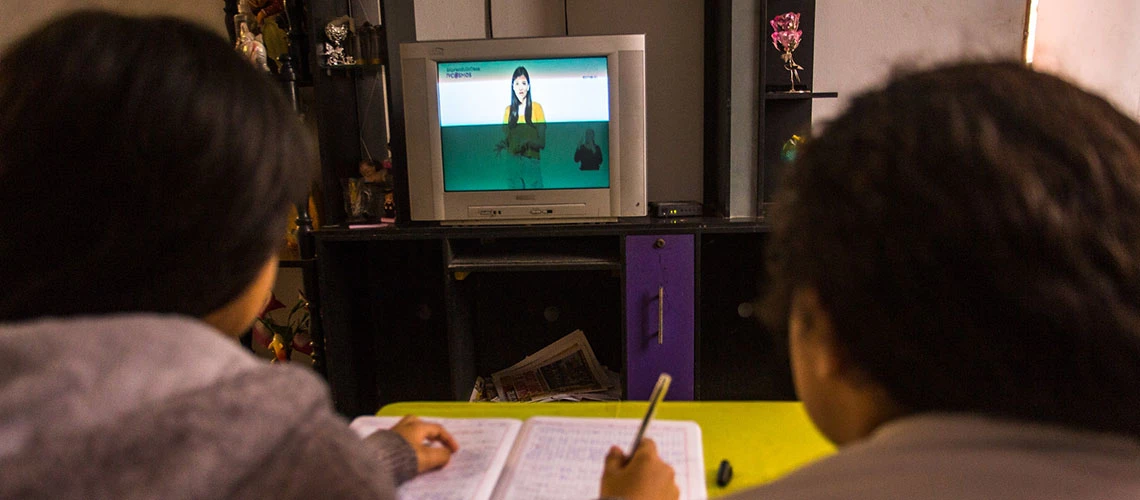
(786,22)
(787,40)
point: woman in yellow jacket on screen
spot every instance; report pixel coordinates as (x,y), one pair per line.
(524,128)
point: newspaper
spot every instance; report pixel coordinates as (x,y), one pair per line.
(565,369)
(485,391)
(613,393)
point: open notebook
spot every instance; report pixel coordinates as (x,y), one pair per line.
(544,457)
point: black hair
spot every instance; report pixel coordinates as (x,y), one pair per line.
(144,166)
(974,232)
(514,118)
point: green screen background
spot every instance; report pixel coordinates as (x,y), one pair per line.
(471,164)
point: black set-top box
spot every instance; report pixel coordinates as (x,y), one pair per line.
(670,209)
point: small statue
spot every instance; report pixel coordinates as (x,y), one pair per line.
(249,45)
(268,21)
(337,32)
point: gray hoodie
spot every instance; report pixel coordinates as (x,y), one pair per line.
(146,406)
(967,457)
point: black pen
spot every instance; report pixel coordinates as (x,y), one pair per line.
(658,394)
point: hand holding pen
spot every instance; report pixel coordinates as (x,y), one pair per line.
(641,475)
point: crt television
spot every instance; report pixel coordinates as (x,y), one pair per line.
(525,130)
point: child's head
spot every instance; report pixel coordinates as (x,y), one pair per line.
(969,240)
(144,166)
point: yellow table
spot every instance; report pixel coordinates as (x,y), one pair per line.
(762,440)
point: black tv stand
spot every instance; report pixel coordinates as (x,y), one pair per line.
(415,313)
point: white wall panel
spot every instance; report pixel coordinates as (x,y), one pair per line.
(1096,44)
(674,87)
(17,17)
(858,43)
(450,19)
(523,18)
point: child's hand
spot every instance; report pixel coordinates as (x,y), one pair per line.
(644,477)
(422,436)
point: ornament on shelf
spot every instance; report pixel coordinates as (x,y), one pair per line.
(282,338)
(337,32)
(791,148)
(786,37)
(248,44)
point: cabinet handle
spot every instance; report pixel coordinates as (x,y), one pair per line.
(660,315)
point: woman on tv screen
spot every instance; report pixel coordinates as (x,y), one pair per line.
(524,128)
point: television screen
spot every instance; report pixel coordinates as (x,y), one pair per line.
(524,124)
(525,130)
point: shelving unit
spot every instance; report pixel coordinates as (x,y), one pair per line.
(749,112)
(415,311)
(784,113)
(294,72)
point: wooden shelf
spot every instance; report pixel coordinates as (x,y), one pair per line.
(534,254)
(351,67)
(785,95)
(532,262)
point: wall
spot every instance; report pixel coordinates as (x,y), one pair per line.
(858,43)
(18,17)
(519,18)
(1095,44)
(674,93)
(450,19)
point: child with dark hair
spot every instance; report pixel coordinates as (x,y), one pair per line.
(146,171)
(956,260)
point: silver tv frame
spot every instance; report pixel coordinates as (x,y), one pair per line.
(626,195)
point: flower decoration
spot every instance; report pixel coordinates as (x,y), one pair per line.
(786,22)
(284,338)
(786,37)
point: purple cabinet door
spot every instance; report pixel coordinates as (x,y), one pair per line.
(659,283)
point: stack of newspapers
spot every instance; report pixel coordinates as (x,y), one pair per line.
(563,371)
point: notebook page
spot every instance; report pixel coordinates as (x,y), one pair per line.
(559,458)
(484,445)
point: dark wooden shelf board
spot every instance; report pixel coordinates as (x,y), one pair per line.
(532,262)
(350,67)
(637,225)
(777,95)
